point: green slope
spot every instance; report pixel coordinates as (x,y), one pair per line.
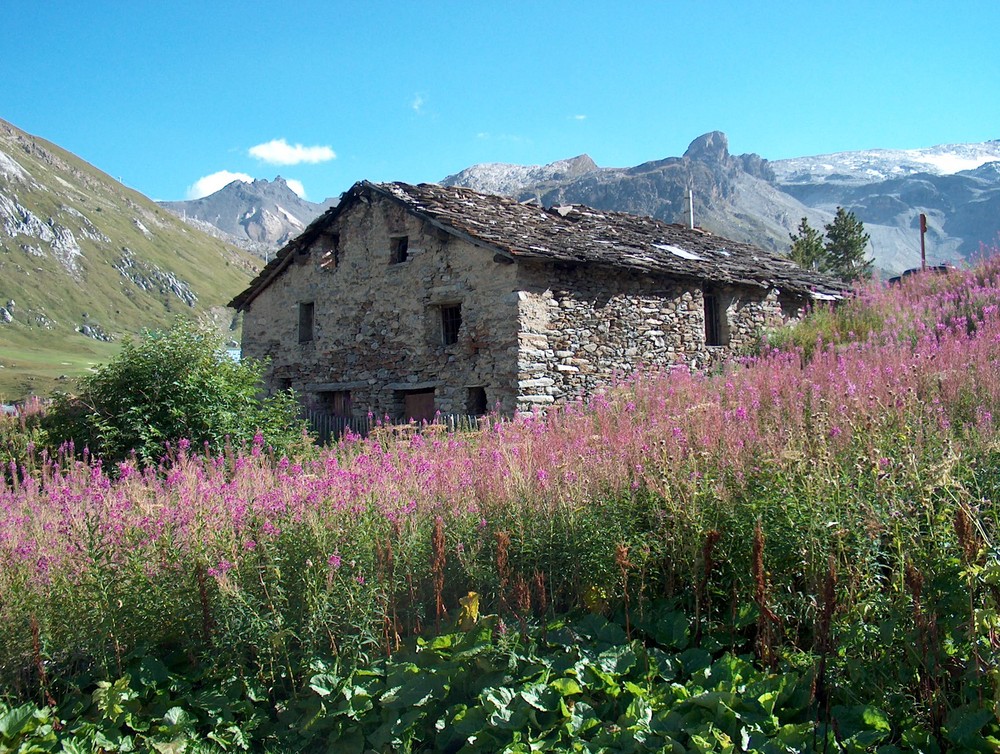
(81,253)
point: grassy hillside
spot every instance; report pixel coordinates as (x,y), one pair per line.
(81,253)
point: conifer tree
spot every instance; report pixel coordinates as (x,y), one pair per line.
(846,242)
(807,247)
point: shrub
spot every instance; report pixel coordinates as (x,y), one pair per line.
(20,434)
(169,386)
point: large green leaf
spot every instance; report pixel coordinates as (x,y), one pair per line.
(964,727)
(13,721)
(542,697)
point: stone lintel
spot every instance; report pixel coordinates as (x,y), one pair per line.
(323,387)
(414,385)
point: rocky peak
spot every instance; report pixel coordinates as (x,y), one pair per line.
(710,147)
(577,165)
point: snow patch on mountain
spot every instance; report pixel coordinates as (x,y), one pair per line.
(289,217)
(877,165)
(505,179)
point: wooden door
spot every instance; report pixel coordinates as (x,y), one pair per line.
(419,405)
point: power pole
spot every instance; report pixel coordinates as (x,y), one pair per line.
(923,252)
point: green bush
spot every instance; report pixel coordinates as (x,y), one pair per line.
(20,434)
(170,386)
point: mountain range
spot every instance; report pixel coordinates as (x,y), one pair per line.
(745,197)
(749,198)
(85,260)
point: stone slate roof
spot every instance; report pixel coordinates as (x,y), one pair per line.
(574,235)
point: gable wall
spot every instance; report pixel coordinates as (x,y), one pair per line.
(377,326)
(581,326)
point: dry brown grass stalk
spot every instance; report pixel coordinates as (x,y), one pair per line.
(439,559)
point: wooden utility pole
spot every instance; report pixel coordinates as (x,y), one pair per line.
(923,252)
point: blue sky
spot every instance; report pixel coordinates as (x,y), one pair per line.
(164,94)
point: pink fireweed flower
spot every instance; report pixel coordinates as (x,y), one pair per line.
(221,569)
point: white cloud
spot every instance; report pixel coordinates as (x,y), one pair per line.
(212,183)
(297,187)
(579,117)
(280,152)
(418,104)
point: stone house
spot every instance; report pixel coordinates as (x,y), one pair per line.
(409,300)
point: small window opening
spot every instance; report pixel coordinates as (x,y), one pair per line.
(331,257)
(475,404)
(716,332)
(306,313)
(451,323)
(397,249)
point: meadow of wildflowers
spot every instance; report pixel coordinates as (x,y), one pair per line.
(831,497)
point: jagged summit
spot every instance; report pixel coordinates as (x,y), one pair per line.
(262,215)
(710,147)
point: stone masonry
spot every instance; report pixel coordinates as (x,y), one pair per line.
(410,300)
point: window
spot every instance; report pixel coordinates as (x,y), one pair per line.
(451,323)
(331,257)
(475,404)
(306,312)
(397,249)
(716,326)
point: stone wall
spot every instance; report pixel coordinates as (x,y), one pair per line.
(377,326)
(582,325)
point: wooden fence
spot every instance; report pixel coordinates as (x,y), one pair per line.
(330,428)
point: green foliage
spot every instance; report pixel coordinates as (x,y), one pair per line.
(167,386)
(579,684)
(850,321)
(807,247)
(19,436)
(845,247)
(843,252)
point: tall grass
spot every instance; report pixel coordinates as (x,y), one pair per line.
(835,493)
